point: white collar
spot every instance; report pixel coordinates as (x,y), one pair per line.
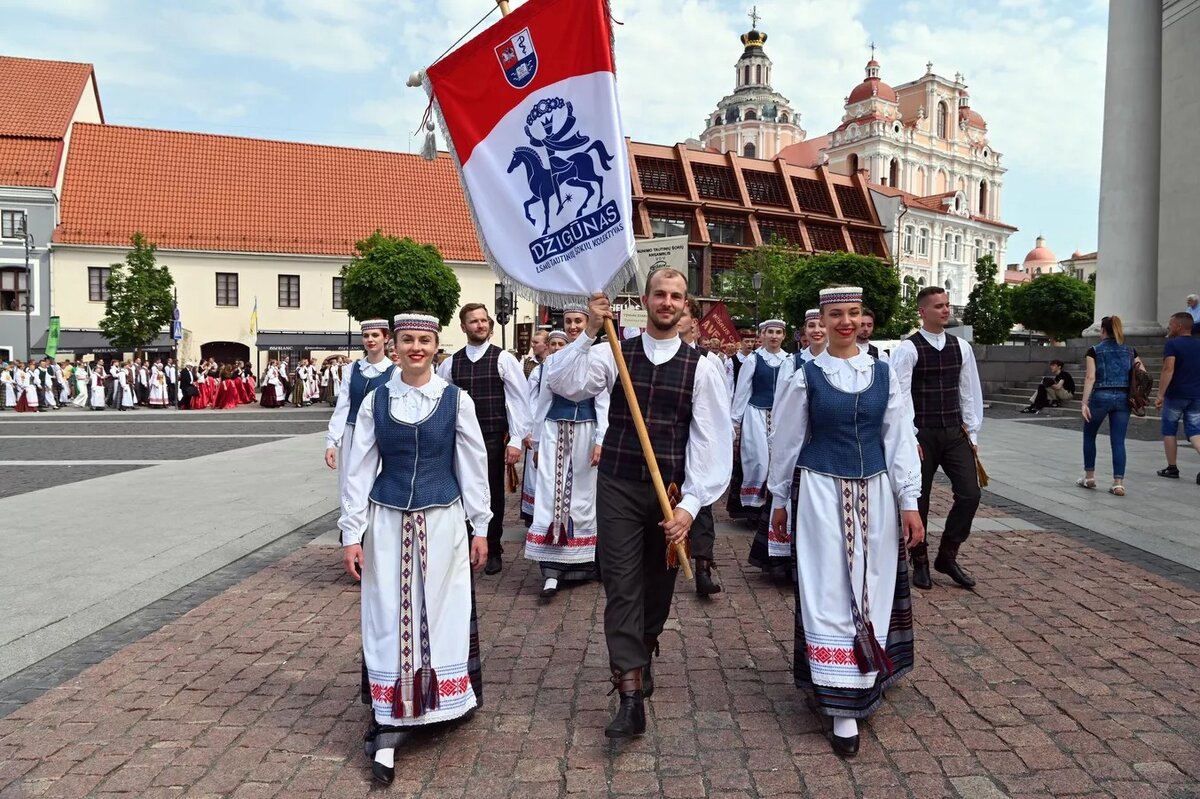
(474,348)
(861,362)
(935,338)
(433,389)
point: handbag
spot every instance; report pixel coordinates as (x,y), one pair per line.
(1140,386)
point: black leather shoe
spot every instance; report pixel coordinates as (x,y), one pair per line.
(845,747)
(705,584)
(920,575)
(494,565)
(630,720)
(947,564)
(382,774)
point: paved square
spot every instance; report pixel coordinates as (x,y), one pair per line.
(1068,673)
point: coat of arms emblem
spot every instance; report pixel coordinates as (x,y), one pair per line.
(518,59)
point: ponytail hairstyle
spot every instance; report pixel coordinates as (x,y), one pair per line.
(1111,325)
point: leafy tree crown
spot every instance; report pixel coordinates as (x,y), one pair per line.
(140,300)
(391,275)
(988,308)
(1060,306)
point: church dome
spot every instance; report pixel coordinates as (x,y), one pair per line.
(1040,255)
(968,114)
(872,86)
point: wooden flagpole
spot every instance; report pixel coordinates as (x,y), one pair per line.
(635,410)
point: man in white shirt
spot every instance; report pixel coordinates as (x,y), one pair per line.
(493,378)
(683,401)
(937,370)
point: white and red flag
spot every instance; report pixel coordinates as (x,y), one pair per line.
(529,108)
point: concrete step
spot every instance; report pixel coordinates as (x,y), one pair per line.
(1070,409)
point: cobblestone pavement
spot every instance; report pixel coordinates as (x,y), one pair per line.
(1069,672)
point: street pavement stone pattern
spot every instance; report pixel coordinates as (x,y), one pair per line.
(1069,672)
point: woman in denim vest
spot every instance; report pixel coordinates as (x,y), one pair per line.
(1106,394)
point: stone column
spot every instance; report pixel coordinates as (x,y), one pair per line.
(1127,280)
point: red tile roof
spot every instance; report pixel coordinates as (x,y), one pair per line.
(197,191)
(932,203)
(29,162)
(805,153)
(38,97)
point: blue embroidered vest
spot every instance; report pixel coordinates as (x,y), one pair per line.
(564,410)
(418,459)
(845,430)
(762,384)
(361,385)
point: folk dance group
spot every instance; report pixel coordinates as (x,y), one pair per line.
(829,443)
(46,385)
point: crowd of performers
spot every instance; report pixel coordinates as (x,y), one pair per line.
(836,449)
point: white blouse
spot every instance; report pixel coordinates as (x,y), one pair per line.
(741,394)
(412,404)
(852,375)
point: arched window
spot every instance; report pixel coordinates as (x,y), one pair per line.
(751,114)
(749,150)
(958,248)
(716,120)
(745,74)
(947,247)
(894,173)
(908,238)
(992,249)
(941,120)
(758,73)
(852,163)
(940,185)
(921,282)
(983,198)
(923,242)
(919,183)
(978,249)
(783,117)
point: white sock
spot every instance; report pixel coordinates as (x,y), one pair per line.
(386,757)
(551,582)
(845,728)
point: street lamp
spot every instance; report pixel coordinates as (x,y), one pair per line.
(506,306)
(756,280)
(28,238)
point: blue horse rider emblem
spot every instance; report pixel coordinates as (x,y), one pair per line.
(570,156)
(518,59)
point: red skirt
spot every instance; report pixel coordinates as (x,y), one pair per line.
(23,404)
(227,395)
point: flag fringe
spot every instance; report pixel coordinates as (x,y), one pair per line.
(628,270)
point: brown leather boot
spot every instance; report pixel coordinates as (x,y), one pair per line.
(705,584)
(630,720)
(947,563)
(920,567)
(651,642)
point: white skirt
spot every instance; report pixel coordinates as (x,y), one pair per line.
(528,484)
(97,396)
(564,508)
(755,456)
(438,594)
(822,581)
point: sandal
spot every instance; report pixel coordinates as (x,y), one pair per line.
(1086,482)
(1117,491)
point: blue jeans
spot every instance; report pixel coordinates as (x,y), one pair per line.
(1115,405)
(1181,410)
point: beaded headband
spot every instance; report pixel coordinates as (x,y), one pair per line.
(772,323)
(812,313)
(557,334)
(841,294)
(375,324)
(576,307)
(417,321)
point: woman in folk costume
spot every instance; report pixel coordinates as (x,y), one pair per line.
(27,393)
(566,442)
(312,384)
(272,393)
(296,385)
(81,375)
(363,376)
(96,389)
(125,396)
(8,389)
(845,458)
(416,474)
(158,387)
(753,420)
(555,340)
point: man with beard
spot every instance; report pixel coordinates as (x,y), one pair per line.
(682,399)
(364,375)
(493,378)
(865,331)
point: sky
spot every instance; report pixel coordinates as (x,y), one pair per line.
(334,72)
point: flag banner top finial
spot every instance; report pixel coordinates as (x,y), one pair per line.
(529,109)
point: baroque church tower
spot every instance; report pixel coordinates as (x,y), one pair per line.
(755,121)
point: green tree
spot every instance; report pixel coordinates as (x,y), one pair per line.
(1091,280)
(391,275)
(1060,306)
(906,318)
(880,282)
(140,302)
(777,262)
(988,309)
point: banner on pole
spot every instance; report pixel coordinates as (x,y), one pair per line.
(52,337)
(529,109)
(717,323)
